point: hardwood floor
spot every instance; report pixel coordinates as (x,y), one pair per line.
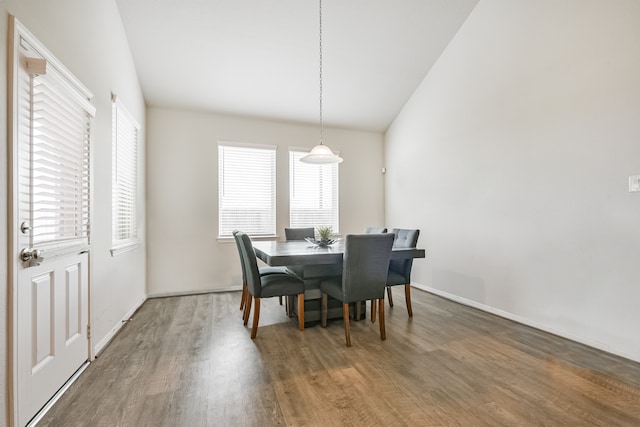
(189,361)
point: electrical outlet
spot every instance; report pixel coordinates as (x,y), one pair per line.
(634,183)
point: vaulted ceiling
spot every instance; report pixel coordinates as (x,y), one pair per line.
(261,57)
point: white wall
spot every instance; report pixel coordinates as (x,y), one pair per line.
(515,153)
(182,175)
(88,37)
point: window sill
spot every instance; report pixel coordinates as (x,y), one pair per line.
(126,247)
(225,239)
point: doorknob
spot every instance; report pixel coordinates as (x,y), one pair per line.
(31,256)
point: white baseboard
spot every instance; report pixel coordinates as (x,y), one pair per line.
(205,291)
(114,331)
(528,322)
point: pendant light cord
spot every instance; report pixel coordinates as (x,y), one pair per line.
(321,126)
(321,154)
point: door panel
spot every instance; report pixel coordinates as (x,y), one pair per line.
(52,328)
(72,274)
(42,338)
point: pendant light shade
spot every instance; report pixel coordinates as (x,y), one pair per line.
(321,154)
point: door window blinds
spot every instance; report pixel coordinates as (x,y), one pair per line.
(246,189)
(313,193)
(54,127)
(124,177)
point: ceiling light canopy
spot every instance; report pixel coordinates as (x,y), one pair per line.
(321,154)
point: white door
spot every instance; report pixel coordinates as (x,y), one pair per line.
(52,329)
(50,124)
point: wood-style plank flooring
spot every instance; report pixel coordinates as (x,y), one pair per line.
(189,361)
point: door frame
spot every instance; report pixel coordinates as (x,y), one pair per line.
(15,31)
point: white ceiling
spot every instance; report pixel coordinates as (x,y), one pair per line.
(260,57)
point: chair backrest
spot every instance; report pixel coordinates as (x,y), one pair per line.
(365,266)
(375,230)
(404,238)
(299,233)
(250,263)
(244,273)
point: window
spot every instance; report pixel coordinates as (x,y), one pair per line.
(54,126)
(313,193)
(124,178)
(246,189)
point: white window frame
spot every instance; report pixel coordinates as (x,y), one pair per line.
(295,166)
(125,132)
(236,187)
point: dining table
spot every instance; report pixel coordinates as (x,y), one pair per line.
(313,263)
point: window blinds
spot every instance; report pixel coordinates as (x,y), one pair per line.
(313,193)
(58,119)
(246,189)
(124,175)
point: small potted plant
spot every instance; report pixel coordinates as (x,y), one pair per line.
(324,236)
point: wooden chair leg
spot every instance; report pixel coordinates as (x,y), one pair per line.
(347,332)
(301,311)
(358,311)
(374,309)
(256,318)
(383,332)
(390,296)
(280,299)
(407,297)
(290,302)
(247,308)
(323,312)
(244,296)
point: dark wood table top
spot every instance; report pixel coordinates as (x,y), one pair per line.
(276,253)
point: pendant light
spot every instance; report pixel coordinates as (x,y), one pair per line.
(321,154)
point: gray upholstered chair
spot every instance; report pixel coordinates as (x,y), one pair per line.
(299,233)
(296,234)
(364,273)
(375,230)
(400,269)
(262,270)
(270,285)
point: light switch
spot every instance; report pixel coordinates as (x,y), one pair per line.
(634,183)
